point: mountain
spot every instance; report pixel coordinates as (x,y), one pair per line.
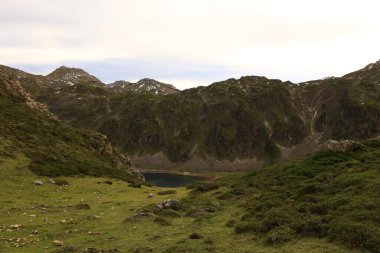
(236,124)
(54,149)
(146,84)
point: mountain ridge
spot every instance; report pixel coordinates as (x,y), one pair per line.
(236,124)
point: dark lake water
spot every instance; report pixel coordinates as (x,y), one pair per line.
(169,180)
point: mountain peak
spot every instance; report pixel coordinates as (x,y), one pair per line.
(71,74)
(370,73)
(147,80)
(143,85)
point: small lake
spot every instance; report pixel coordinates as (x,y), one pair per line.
(169,179)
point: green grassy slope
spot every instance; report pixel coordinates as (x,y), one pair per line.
(329,195)
(51,212)
(53,148)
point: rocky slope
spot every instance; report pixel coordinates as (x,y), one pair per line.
(143,85)
(237,124)
(54,148)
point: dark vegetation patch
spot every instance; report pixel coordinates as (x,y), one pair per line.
(167,192)
(333,195)
(162,221)
(61,181)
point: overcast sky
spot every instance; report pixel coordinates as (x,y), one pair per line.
(191,42)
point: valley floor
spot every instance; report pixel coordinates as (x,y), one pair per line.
(91,213)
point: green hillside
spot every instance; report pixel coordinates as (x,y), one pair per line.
(328,202)
(53,148)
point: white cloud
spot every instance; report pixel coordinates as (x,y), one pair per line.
(294,39)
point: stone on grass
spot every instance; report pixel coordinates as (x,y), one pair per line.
(51,181)
(38,182)
(58,243)
(16,226)
(170,203)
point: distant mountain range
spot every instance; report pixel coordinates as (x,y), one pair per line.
(236,124)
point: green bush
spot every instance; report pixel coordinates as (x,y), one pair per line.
(247,227)
(61,181)
(167,192)
(162,221)
(206,186)
(356,234)
(279,235)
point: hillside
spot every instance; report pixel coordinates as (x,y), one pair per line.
(237,124)
(53,148)
(328,202)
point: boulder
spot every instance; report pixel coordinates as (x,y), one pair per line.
(58,243)
(51,181)
(38,182)
(170,203)
(341,146)
(16,226)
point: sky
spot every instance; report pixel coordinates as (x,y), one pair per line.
(191,42)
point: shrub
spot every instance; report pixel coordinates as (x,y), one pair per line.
(167,192)
(313,225)
(247,227)
(279,235)
(195,236)
(83,206)
(357,235)
(66,249)
(206,186)
(169,213)
(162,221)
(276,217)
(61,181)
(230,223)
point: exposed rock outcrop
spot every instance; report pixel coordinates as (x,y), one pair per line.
(170,203)
(119,161)
(13,88)
(341,146)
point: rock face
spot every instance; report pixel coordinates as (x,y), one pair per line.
(341,146)
(119,161)
(13,88)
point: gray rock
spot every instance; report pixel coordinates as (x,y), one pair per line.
(341,146)
(139,214)
(38,182)
(170,203)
